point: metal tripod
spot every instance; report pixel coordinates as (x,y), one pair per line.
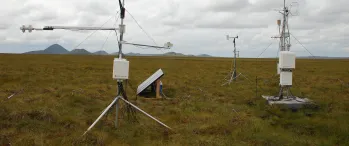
(232,75)
(121,95)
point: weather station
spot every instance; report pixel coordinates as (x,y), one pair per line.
(120,64)
(232,75)
(285,67)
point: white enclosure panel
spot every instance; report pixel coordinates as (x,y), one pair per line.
(120,69)
(278,68)
(158,74)
(286,78)
(287,59)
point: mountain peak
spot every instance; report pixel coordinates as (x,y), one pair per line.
(79,51)
(101,52)
(56,49)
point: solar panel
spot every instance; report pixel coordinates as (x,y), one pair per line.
(157,75)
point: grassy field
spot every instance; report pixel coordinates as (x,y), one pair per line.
(59,96)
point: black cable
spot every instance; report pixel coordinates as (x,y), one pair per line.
(130,112)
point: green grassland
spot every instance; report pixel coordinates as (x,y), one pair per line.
(61,95)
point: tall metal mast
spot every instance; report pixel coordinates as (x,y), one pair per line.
(122,26)
(285,42)
(285,67)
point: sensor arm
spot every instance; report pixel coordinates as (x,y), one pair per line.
(30,28)
(167,45)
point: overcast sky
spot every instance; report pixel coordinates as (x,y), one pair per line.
(193,26)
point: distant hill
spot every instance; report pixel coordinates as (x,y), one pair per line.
(204,55)
(133,54)
(53,49)
(117,53)
(58,49)
(100,53)
(79,52)
(36,52)
(173,54)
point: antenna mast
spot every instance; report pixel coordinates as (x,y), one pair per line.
(285,33)
(287,59)
(285,67)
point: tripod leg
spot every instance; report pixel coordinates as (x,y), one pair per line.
(100,116)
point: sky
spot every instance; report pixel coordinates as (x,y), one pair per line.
(192,26)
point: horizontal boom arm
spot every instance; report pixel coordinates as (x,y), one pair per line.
(30,28)
(167,45)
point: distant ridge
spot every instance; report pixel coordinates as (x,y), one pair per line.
(79,52)
(133,54)
(101,52)
(58,49)
(173,54)
(53,49)
(204,55)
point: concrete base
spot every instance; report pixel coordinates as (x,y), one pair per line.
(293,103)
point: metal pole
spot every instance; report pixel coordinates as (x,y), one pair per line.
(283,29)
(234,72)
(122,32)
(122,28)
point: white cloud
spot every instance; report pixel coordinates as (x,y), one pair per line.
(194,26)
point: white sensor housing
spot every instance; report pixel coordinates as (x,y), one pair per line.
(287,60)
(286,78)
(120,69)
